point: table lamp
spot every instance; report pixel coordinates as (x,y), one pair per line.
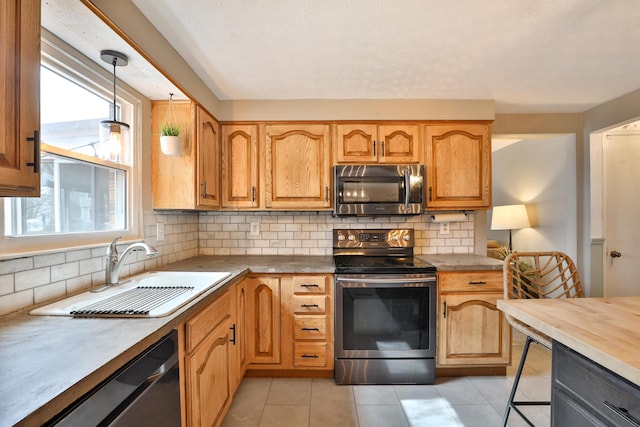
(509,217)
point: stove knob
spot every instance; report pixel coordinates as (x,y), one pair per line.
(352,237)
(340,237)
(405,237)
(394,238)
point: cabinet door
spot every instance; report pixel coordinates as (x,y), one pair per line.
(458,163)
(472,331)
(239,166)
(239,352)
(298,167)
(263,320)
(208,135)
(208,393)
(19,97)
(399,144)
(356,143)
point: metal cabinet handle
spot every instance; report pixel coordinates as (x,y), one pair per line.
(233,339)
(310,356)
(309,305)
(478,282)
(253,193)
(430,194)
(444,310)
(382,144)
(309,285)
(326,193)
(311,329)
(622,413)
(374,147)
(36,151)
(204,190)
(407,188)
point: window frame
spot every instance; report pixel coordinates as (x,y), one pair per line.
(73,65)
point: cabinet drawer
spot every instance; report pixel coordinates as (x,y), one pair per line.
(480,281)
(309,284)
(309,304)
(312,355)
(592,385)
(310,327)
(206,320)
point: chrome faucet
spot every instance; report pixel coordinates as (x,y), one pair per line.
(114,263)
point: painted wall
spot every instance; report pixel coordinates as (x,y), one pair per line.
(540,172)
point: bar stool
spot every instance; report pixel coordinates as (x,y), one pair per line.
(532,275)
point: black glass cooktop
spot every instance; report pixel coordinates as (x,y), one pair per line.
(363,264)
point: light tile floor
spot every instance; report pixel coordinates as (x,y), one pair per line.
(461,401)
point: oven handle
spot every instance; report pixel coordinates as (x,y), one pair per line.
(398,280)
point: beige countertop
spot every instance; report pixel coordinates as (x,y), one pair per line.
(462,262)
(47,361)
(605,330)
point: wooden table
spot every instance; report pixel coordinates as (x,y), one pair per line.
(605,330)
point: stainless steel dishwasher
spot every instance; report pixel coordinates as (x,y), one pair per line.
(144,392)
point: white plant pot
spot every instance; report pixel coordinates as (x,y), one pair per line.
(170,145)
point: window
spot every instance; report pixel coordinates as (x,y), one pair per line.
(86,192)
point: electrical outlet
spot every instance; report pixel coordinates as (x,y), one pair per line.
(255,229)
(444,228)
(159,231)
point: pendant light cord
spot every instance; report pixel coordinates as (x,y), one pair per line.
(114,62)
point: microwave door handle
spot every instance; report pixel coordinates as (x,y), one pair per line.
(406,189)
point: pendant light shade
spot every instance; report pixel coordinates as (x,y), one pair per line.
(114,134)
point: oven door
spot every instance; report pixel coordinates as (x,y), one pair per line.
(385,316)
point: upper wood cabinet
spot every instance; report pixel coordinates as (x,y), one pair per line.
(20,98)
(458,166)
(297,166)
(374,143)
(208,143)
(240,166)
(191,179)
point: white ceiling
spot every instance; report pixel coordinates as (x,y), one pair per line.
(530,56)
(72,22)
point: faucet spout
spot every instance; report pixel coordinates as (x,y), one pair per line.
(115,262)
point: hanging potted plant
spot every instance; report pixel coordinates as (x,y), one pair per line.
(170,132)
(170,139)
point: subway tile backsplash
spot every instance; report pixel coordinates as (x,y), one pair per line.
(31,280)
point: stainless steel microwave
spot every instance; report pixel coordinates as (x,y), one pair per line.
(369,190)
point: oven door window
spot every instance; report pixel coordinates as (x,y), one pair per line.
(386,319)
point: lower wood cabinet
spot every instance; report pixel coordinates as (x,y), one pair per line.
(302,334)
(263,319)
(472,332)
(208,362)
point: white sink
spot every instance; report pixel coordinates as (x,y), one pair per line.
(192,283)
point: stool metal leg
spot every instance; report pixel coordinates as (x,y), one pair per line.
(511,404)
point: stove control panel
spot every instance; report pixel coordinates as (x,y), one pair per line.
(373,238)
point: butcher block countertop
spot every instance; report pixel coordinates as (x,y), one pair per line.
(605,330)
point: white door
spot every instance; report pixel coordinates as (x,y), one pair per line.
(621,215)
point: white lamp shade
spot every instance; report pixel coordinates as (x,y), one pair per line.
(509,217)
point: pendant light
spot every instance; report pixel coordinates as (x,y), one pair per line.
(114,134)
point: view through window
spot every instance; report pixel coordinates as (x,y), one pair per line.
(80,192)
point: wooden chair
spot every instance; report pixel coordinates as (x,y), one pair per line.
(531,275)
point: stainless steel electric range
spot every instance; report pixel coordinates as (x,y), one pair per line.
(385,309)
